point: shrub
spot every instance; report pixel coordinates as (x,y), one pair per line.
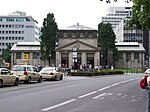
(96,73)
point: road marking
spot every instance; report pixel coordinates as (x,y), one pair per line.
(58,105)
(87,94)
(69,101)
(117,84)
(104,88)
(103,94)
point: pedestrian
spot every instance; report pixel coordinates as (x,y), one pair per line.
(145,84)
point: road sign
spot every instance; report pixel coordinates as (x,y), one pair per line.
(74,54)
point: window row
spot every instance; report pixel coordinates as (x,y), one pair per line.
(3,44)
(26,55)
(128,56)
(78,35)
(12,19)
(11,38)
(11,32)
(11,26)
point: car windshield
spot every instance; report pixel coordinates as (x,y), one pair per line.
(18,68)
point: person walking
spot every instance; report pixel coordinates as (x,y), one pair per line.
(148,92)
(145,84)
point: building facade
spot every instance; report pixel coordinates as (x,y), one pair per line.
(77,45)
(26,53)
(128,34)
(17,27)
(116,14)
(131,55)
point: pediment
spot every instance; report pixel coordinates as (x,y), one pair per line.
(82,46)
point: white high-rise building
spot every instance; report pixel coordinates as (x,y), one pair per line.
(17,27)
(116,14)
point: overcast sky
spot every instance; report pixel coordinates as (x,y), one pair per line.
(66,12)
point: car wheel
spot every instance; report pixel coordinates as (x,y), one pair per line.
(57,78)
(1,83)
(61,78)
(40,79)
(29,80)
(16,82)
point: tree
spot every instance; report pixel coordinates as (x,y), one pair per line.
(106,41)
(140,14)
(48,37)
(6,55)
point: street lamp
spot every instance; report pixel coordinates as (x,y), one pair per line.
(49,59)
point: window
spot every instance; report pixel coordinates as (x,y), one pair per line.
(136,55)
(10,19)
(34,55)
(90,58)
(81,34)
(79,58)
(89,34)
(29,69)
(73,34)
(65,34)
(18,55)
(65,58)
(19,19)
(128,56)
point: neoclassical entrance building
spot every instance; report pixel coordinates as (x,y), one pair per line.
(77,45)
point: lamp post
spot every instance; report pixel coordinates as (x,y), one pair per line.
(74,49)
(50,59)
(44,49)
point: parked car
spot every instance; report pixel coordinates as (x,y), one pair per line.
(27,73)
(51,73)
(8,78)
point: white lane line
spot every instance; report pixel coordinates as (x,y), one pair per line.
(104,88)
(69,101)
(58,105)
(103,94)
(117,84)
(87,94)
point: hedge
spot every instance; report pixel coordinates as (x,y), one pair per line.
(95,73)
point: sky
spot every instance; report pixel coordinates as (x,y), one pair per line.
(66,12)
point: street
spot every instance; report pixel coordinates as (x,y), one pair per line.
(117,93)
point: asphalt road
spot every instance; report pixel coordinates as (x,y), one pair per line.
(118,93)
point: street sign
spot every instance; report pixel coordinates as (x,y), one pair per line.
(74,54)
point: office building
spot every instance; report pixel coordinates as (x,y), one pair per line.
(17,27)
(116,14)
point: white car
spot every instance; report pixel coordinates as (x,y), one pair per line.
(8,78)
(27,73)
(51,73)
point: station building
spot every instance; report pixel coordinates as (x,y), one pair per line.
(77,45)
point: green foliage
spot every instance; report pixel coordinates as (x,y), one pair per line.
(48,37)
(140,14)
(6,55)
(106,41)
